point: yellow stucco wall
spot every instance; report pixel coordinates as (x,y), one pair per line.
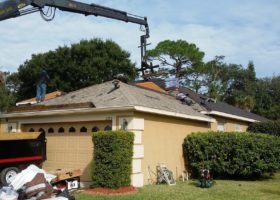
(69,150)
(3,125)
(162,139)
(229,124)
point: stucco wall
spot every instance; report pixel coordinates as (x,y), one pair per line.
(229,124)
(69,150)
(162,139)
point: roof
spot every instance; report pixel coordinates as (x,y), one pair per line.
(158,84)
(218,108)
(205,105)
(47,97)
(105,95)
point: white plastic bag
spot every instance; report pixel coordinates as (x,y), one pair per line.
(26,176)
(7,193)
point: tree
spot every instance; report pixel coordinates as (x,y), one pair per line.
(243,88)
(214,78)
(176,56)
(268,97)
(7,99)
(214,71)
(71,68)
(193,77)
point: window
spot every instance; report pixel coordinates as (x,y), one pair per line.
(61,130)
(95,129)
(41,130)
(221,126)
(83,130)
(31,130)
(238,128)
(72,130)
(108,128)
(50,130)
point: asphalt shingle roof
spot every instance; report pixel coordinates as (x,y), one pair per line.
(200,103)
(105,96)
(220,106)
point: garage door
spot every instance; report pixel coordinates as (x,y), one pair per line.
(69,145)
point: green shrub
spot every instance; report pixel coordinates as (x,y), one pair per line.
(112,163)
(270,127)
(232,155)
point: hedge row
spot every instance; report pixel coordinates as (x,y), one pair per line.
(232,155)
(112,163)
(270,127)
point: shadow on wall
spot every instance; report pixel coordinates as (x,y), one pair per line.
(86,176)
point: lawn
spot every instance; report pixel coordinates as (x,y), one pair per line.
(223,189)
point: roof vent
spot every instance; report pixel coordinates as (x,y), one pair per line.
(116,84)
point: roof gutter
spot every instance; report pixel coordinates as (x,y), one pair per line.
(65,111)
(173,114)
(228,116)
(110,109)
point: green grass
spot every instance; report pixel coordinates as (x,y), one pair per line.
(223,189)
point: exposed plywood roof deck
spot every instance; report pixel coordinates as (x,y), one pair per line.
(48,96)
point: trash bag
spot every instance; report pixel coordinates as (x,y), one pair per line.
(7,193)
(65,193)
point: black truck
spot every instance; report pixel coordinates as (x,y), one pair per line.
(19,150)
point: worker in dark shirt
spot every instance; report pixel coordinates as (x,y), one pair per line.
(41,86)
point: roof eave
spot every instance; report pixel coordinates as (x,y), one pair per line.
(106,109)
(173,114)
(65,111)
(222,114)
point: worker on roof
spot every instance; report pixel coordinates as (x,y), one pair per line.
(41,86)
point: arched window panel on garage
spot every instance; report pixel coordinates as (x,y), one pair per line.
(42,130)
(50,130)
(31,130)
(83,130)
(95,129)
(108,128)
(72,130)
(61,130)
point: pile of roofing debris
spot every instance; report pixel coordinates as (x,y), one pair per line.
(35,184)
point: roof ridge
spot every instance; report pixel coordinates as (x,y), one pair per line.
(124,85)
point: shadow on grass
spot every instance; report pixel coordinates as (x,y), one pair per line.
(267,191)
(193,183)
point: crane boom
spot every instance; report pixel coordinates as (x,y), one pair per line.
(15,8)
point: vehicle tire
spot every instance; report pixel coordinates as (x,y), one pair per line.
(8,174)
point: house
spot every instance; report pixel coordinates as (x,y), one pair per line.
(159,121)
(227,117)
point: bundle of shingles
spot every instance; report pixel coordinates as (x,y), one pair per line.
(38,187)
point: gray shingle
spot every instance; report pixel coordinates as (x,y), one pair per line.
(105,96)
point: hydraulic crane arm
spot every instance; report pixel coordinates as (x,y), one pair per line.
(16,8)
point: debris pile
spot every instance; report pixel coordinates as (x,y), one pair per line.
(35,184)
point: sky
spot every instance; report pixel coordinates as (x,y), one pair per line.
(242,31)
